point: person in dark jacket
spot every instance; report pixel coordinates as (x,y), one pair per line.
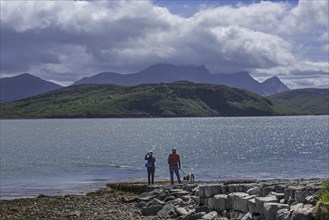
(150,165)
(174,165)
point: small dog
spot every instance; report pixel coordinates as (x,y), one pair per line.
(189,178)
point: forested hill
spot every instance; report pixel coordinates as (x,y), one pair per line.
(179,99)
(304,101)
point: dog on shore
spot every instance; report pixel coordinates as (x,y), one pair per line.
(189,178)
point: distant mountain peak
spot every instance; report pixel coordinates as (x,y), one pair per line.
(166,67)
(274,85)
(23,86)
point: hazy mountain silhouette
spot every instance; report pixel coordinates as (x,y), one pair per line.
(273,85)
(168,73)
(23,86)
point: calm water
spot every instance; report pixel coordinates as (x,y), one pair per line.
(76,155)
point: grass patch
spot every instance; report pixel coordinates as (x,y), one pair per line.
(324,193)
(321,210)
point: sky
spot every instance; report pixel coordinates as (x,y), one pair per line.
(63,41)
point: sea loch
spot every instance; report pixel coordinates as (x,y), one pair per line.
(61,156)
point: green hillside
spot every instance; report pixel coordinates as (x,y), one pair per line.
(304,101)
(179,99)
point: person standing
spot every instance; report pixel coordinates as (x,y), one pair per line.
(174,165)
(150,165)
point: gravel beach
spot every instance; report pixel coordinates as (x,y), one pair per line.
(103,204)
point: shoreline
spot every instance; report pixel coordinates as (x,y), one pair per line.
(95,187)
(118,200)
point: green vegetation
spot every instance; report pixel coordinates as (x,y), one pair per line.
(324,193)
(179,99)
(303,101)
(321,210)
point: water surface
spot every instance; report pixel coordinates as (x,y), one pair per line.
(60,156)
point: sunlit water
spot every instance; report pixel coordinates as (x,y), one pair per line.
(61,156)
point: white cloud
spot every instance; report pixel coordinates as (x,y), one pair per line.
(307,16)
(263,16)
(67,40)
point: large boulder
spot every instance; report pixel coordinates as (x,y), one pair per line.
(238,201)
(301,211)
(283,214)
(168,211)
(260,201)
(151,210)
(178,192)
(254,191)
(303,193)
(220,202)
(247,216)
(181,211)
(252,205)
(209,190)
(271,209)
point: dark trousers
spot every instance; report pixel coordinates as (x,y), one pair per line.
(171,171)
(150,175)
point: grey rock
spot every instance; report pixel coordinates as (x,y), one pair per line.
(141,204)
(179,193)
(311,199)
(181,211)
(191,187)
(301,194)
(289,192)
(229,201)
(277,195)
(169,198)
(204,209)
(209,190)
(210,216)
(194,200)
(254,191)
(279,188)
(260,201)
(155,202)
(177,202)
(283,214)
(168,211)
(252,205)
(145,199)
(236,214)
(301,212)
(271,209)
(151,210)
(194,216)
(186,199)
(238,201)
(247,216)
(220,202)
(208,202)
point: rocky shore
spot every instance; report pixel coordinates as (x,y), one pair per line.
(245,199)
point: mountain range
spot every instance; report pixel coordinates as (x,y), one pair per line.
(168,73)
(23,86)
(27,85)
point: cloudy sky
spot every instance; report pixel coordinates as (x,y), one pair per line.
(62,41)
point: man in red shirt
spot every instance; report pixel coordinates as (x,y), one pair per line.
(174,165)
